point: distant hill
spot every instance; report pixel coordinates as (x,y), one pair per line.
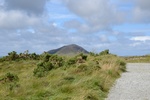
(68,50)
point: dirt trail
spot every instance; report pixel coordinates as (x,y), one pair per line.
(133,84)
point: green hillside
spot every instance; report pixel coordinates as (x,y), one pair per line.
(52,77)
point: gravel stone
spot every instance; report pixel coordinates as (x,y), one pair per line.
(133,84)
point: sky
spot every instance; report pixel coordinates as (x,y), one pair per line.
(122,26)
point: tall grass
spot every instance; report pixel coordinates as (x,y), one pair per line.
(82,79)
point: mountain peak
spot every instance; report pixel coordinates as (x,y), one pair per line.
(68,50)
(72,45)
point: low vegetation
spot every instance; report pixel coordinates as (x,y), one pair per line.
(53,77)
(13,56)
(138,59)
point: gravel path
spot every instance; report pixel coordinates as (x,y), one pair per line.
(133,85)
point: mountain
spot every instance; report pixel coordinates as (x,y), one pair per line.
(68,50)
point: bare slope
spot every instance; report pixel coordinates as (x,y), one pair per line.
(68,49)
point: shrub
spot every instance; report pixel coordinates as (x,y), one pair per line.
(71,61)
(42,69)
(39,72)
(11,77)
(34,56)
(92,54)
(122,65)
(11,80)
(2,59)
(46,57)
(56,61)
(12,55)
(81,58)
(84,57)
(105,52)
(48,66)
(49,62)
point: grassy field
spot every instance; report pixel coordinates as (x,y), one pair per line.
(88,78)
(138,59)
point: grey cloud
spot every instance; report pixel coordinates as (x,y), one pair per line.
(85,27)
(16,20)
(141,15)
(104,39)
(141,11)
(21,14)
(99,14)
(29,6)
(36,41)
(78,26)
(144,4)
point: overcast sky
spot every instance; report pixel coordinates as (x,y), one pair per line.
(122,26)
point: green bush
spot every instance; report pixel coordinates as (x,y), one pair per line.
(2,59)
(49,62)
(83,56)
(42,69)
(11,77)
(34,56)
(92,54)
(71,61)
(83,67)
(12,55)
(122,65)
(105,52)
(11,80)
(46,57)
(48,66)
(39,72)
(56,61)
